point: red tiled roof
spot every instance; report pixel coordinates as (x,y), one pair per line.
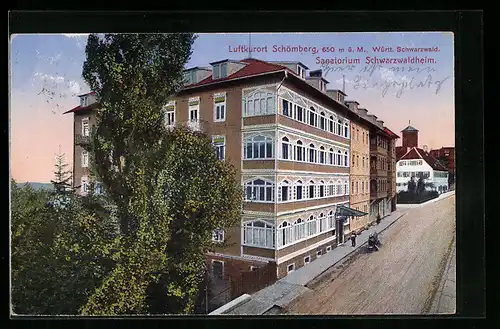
(253,67)
(390,133)
(417,153)
(81,109)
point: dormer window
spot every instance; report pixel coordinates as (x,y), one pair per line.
(84,101)
(190,77)
(219,71)
(340,98)
(301,72)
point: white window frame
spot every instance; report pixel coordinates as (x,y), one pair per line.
(218,145)
(170,114)
(260,97)
(288,268)
(261,139)
(267,185)
(253,234)
(86,123)
(84,101)
(253,268)
(308,261)
(319,253)
(288,185)
(85,185)
(220,108)
(194,109)
(85,158)
(328,249)
(218,235)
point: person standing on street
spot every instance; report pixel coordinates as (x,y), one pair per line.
(353,239)
(378,219)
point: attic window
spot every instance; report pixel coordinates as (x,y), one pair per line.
(83,101)
(341,97)
(190,77)
(219,71)
(301,72)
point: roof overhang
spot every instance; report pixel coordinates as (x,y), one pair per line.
(343,211)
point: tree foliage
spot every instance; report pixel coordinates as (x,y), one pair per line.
(169,189)
(62,180)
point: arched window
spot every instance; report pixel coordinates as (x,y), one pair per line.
(339,188)
(311,190)
(339,128)
(299,229)
(312,153)
(258,147)
(330,124)
(285,149)
(331,189)
(346,187)
(284,234)
(346,159)
(321,154)
(330,156)
(300,153)
(259,190)
(321,189)
(258,234)
(311,226)
(322,121)
(339,158)
(346,130)
(322,222)
(312,117)
(298,188)
(284,191)
(331,220)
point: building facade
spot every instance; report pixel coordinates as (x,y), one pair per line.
(293,143)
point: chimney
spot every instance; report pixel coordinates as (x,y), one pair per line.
(195,75)
(352,105)
(316,80)
(372,118)
(380,123)
(337,95)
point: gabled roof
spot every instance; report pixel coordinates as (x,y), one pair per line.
(417,153)
(90,93)
(253,67)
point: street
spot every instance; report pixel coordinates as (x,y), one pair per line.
(401,278)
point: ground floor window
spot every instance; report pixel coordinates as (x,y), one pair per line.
(290,268)
(218,269)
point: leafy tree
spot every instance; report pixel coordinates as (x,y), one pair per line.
(420,185)
(56,250)
(168,187)
(412,186)
(62,181)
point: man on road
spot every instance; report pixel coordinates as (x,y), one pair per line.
(353,239)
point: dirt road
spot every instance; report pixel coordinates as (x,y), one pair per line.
(398,279)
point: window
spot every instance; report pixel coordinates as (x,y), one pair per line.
(311,190)
(285,149)
(322,222)
(312,117)
(321,189)
(284,234)
(259,103)
(322,121)
(300,114)
(84,101)
(259,190)
(170,114)
(299,229)
(258,234)
(339,158)
(329,248)
(286,111)
(321,154)
(85,158)
(218,235)
(258,147)
(307,260)
(98,188)
(346,130)
(363,137)
(219,143)
(218,269)
(86,127)
(357,190)
(300,153)
(85,185)
(346,161)
(339,128)
(311,226)
(194,107)
(331,220)
(319,253)
(330,124)
(330,157)
(253,268)
(312,153)
(219,107)
(283,191)
(357,161)
(290,268)
(298,188)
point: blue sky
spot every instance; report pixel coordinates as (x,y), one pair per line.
(46,77)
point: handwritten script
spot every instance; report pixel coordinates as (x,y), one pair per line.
(396,78)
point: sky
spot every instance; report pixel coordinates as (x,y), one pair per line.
(46,71)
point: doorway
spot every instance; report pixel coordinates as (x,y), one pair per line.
(339,228)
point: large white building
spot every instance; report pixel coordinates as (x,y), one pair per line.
(416,163)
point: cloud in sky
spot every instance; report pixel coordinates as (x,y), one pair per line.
(75,35)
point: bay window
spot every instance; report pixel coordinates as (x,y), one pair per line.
(259,190)
(258,147)
(259,103)
(258,234)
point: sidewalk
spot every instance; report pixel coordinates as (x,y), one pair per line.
(293,285)
(445,299)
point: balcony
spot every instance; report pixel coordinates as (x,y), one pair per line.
(377,173)
(378,194)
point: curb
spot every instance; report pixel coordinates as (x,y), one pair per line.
(436,298)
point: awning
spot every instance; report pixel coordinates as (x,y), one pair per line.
(343,211)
